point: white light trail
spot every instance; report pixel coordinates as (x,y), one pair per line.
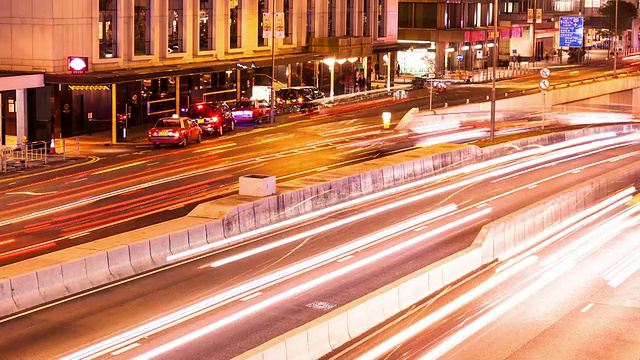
(242,290)
(306,286)
(394,190)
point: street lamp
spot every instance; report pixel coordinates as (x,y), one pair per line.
(492,132)
(615,43)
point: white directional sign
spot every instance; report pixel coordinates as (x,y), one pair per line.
(545,73)
(544,84)
(431,76)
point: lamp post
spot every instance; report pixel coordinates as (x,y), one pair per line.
(492,132)
(272,111)
(615,43)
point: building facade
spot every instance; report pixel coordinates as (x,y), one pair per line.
(151,58)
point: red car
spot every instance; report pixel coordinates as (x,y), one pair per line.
(213,117)
(251,110)
(175,130)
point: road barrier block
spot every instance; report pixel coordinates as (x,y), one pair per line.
(318,338)
(25,291)
(197,236)
(390,302)
(97,268)
(160,249)
(298,347)
(338,330)
(436,279)
(50,283)
(7,306)
(74,276)
(413,290)
(140,254)
(179,240)
(276,353)
(361,318)
(120,262)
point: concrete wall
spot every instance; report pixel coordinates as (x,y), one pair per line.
(496,239)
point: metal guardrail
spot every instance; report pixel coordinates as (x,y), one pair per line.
(32,152)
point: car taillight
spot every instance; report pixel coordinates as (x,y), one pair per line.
(299,100)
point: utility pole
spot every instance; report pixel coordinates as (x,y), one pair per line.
(615,43)
(492,133)
(272,107)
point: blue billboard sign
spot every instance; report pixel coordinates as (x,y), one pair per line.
(571,31)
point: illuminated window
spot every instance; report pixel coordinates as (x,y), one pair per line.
(263,7)
(107,34)
(349,18)
(235,24)
(366,15)
(331,17)
(141,25)
(382,10)
(288,21)
(563,5)
(311,30)
(205,21)
(175,26)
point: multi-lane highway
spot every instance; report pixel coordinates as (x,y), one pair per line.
(223,304)
(113,194)
(575,298)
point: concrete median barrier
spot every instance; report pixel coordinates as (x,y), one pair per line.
(74,276)
(120,262)
(25,291)
(51,284)
(7,306)
(140,255)
(318,339)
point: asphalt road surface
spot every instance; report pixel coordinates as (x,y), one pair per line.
(222,304)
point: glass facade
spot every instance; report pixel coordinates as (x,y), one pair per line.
(107,30)
(206,24)
(141,27)
(175,26)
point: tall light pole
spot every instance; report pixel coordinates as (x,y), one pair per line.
(615,43)
(272,107)
(492,133)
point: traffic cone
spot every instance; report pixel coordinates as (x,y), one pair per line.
(52,147)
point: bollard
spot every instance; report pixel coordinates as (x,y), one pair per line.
(467,101)
(64,149)
(506,94)
(77,146)
(446,104)
(523,91)
(45,153)
(487,97)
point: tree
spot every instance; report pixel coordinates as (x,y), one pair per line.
(626,13)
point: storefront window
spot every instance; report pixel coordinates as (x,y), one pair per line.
(205,19)
(175,26)
(235,23)
(382,10)
(141,25)
(415,62)
(107,34)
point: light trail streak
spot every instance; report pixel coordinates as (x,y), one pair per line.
(115,168)
(252,286)
(395,205)
(458,136)
(307,286)
(433,179)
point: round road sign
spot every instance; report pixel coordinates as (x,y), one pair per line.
(459,57)
(544,84)
(545,73)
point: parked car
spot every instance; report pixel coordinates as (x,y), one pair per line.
(251,110)
(299,98)
(213,117)
(174,130)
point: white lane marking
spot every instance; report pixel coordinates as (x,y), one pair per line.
(30,193)
(586,308)
(345,258)
(78,235)
(125,349)
(153,163)
(420,228)
(83,179)
(247,298)
(482,205)
(533,186)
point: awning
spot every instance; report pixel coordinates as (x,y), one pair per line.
(146,73)
(17,80)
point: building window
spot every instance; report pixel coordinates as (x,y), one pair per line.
(382,10)
(405,15)
(107,34)
(235,23)
(141,24)
(175,26)
(288,21)
(366,16)
(311,26)
(425,15)
(331,17)
(263,7)
(453,16)
(349,18)
(205,21)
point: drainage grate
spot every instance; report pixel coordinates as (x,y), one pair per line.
(321,305)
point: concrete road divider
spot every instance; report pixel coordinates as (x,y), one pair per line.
(75,269)
(7,306)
